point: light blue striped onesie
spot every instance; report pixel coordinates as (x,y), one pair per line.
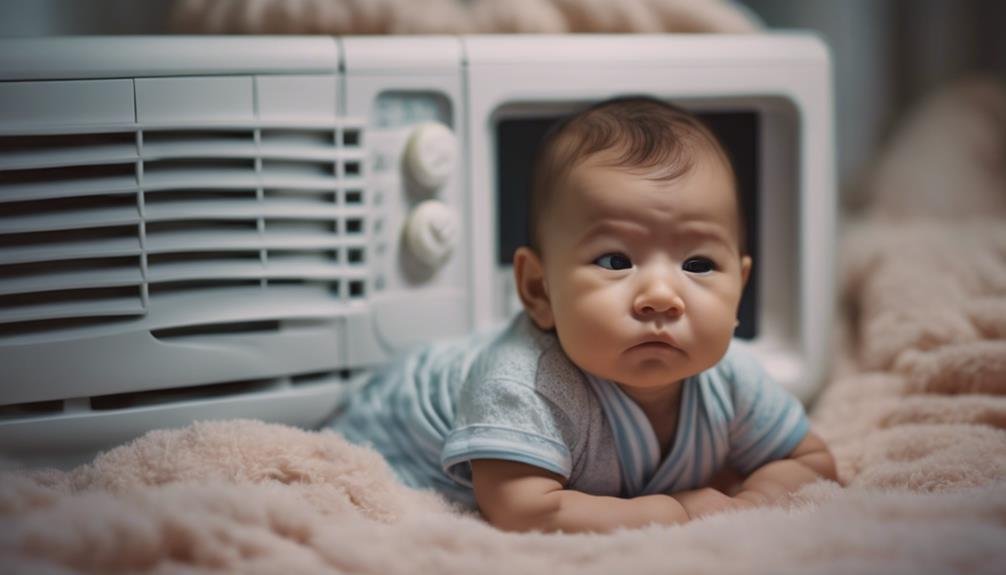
(515,395)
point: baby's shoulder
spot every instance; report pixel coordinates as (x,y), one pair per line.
(739,373)
(524,354)
(742,383)
(513,354)
(559,379)
(739,363)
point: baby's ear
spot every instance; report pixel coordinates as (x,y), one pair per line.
(745,270)
(529,275)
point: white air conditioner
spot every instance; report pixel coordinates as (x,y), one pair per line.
(205,227)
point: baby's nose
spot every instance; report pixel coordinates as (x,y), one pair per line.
(658,296)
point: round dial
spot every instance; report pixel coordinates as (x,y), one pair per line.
(431,232)
(430,154)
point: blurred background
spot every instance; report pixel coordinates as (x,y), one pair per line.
(887,53)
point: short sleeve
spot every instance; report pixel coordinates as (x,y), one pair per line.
(768,422)
(506,419)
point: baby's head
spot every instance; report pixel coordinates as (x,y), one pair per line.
(637,257)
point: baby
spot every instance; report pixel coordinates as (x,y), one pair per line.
(616,399)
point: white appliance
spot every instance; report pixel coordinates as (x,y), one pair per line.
(206,227)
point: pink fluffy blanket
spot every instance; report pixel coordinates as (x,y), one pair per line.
(915,413)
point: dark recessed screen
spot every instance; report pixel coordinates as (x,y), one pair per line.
(517,141)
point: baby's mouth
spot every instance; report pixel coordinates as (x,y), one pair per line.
(658,342)
(654,346)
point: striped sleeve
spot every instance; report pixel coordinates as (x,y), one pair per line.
(505,419)
(768,422)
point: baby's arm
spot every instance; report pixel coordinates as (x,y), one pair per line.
(518,497)
(810,460)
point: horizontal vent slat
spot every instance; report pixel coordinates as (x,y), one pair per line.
(67,188)
(302,152)
(205,241)
(208,179)
(319,125)
(220,209)
(248,150)
(76,219)
(127,185)
(45,159)
(74,244)
(241,179)
(250,270)
(200,150)
(22,152)
(205,209)
(253,302)
(68,308)
(83,279)
(97,248)
(300,182)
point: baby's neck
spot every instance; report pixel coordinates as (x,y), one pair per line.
(661,407)
(655,401)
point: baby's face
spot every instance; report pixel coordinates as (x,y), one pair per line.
(644,277)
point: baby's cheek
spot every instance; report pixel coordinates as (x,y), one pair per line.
(716,328)
(584,323)
(594,310)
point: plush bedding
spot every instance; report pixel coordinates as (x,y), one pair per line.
(915,412)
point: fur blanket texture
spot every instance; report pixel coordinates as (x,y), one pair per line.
(915,414)
(915,411)
(343,17)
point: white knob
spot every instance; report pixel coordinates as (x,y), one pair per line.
(431,232)
(430,154)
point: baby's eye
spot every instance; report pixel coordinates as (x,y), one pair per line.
(698,265)
(614,261)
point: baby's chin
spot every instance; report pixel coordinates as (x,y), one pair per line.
(644,373)
(655,373)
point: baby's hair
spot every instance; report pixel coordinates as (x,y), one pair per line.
(647,134)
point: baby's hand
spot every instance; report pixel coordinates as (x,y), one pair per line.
(775,482)
(708,501)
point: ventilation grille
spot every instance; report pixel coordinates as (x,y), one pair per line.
(99,226)
(231,390)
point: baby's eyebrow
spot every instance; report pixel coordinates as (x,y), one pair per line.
(614,226)
(685,232)
(705,232)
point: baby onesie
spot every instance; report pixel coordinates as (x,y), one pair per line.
(515,395)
